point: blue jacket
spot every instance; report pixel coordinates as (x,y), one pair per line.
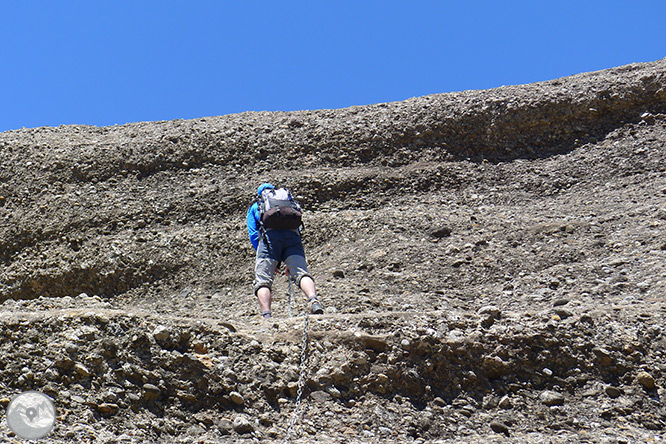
(253,216)
(253,224)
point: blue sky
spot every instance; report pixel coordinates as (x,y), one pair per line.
(113,62)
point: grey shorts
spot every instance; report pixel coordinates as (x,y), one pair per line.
(264,270)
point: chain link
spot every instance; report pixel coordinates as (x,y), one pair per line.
(289,292)
(301,381)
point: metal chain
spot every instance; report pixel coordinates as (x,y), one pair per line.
(289,291)
(301,381)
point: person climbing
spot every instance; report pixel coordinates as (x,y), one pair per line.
(274,226)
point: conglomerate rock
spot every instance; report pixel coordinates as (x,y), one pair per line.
(492,264)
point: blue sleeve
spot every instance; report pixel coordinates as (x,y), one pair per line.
(253,224)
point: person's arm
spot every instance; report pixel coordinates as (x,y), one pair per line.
(253,224)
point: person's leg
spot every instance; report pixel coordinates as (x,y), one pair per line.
(297,267)
(308,287)
(264,298)
(264,271)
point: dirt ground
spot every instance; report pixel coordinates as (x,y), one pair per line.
(492,266)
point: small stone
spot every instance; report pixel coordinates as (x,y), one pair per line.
(441,232)
(71,348)
(242,425)
(491,310)
(563,313)
(646,380)
(495,367)
(338,273)
(225,426)
(4,402)
(161,333)
(81,370)
(186,396)
(439,402)
(107,408)
(384,431)
(551,398)
(51,374)
(78,399)
(110,348)
(320,397)
(333,391)
(603,356)
(505,402)
(236,398)
(151,392)
(613,392)
(560,302)
(499,427)
(292,387)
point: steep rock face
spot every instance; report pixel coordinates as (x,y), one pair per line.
(58,184)
(492,262)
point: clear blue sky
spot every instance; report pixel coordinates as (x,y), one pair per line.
(112,62)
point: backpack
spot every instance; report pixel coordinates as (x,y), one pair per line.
(279,210)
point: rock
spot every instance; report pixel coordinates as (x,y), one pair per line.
(646,380)
(71,348)
(186,396)
(225,426)
(292,388)
(495,367)
(242,425)
(110,348)
(560,302)
(377,343)
(563,313)
(338,273)
(505,402)
(51,374)
(603,356)
(107,408)
(441,232)
(320,396)
(551,398)
(161,333)
(491,310)
(81,370)
(151,392)
(78,399)
(612,392)
(500,427)
(236,398)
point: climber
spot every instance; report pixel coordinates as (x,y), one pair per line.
(274,226)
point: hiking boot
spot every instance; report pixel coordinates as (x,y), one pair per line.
(315,307)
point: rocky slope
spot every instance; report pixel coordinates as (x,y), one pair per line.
(492,265)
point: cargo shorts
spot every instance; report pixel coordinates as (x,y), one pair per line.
(277,246)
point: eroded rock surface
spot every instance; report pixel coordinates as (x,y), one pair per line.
(492,263)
